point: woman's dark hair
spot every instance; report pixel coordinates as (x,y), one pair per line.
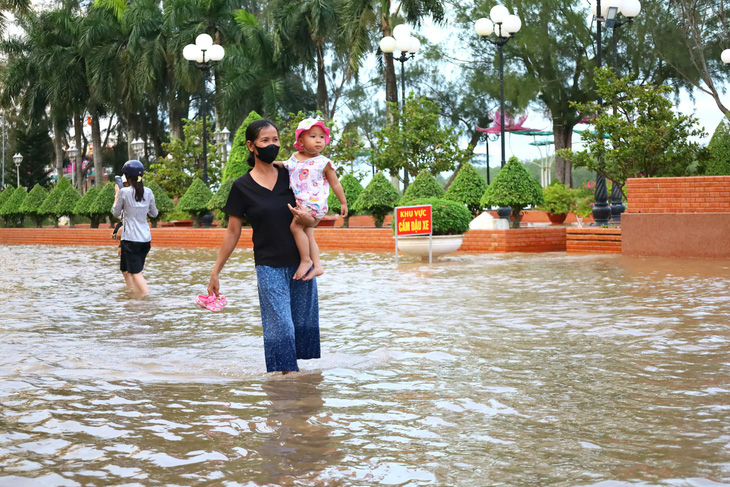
(252,133)
(138,188)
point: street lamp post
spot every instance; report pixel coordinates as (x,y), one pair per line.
(630,8)
(403,41)
(504,26)
(17,159)
(72,152)
(204,55)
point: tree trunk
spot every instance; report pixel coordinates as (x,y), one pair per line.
(78,128)
(323,104)
(58,130)
(97,145)
(563,136)
(130,137)
(178,110)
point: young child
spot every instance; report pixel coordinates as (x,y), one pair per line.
(310,177)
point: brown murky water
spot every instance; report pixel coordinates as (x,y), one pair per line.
(478,370)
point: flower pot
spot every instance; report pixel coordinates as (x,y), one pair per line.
(418,245)
(557,218)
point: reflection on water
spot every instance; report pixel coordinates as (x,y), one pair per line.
(478,370)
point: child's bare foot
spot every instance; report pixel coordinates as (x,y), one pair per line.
(314,272)
(304,266)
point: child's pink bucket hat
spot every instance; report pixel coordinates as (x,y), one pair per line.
(307,124)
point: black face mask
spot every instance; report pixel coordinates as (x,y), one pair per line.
(268,154)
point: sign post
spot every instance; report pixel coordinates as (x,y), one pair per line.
(414,220)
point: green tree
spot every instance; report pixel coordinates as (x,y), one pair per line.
(195,200)
(184,163)
(378,199)
(352,188)
(645,136)
(67,200)
(468,188)
(416,141)
(513,187)
(10,210)
(237,164)
(424,186)
(50,205)
(719,164)
(83,206)
(32,204)
(162,201)
(104,201)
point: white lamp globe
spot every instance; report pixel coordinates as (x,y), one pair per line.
(403,44)
(402,31)
(725,56)
(415,45)
(190,52)
(484,27)
(204,41)
(498,14)
(216,52)
(630,8)
(387,44)
(512,24)
(201,57)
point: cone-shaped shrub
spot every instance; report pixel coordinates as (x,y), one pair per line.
(83,206)
(50,205)
(424,186)
(195,200)
(352,188)
(163,202)
(4,195)
(66,203)
(447,217)
(220,198)
(10,211)
(32,204)
(104,201)
(377,199)
(468,188)
(237,165)
(513,187)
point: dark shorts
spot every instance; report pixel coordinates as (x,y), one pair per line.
(133,256)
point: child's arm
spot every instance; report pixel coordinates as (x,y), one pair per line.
(278,163)
(331,175)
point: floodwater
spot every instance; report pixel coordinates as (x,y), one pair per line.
(513,370)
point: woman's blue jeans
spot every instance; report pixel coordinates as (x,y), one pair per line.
(290,316)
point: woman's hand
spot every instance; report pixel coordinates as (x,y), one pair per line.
(214,285)
(302,216)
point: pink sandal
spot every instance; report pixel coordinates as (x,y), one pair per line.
(213,303)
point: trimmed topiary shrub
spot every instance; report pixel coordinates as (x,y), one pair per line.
(104,201)
(10,210)
(4,195)
(468,188)
(719,164)
(557,199)
(83,206)
(448,217)
(32,204)
(66,202)
(50,205)
(237,165)
(163,202)
(513,187)
(219,199)
(424,186)
(195,200)
(377,199)
(352,188)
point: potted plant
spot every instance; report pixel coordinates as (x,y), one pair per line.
(424,186)
(558,201)
(378,199)
(515,187)
(450,220)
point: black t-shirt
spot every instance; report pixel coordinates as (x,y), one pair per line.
(269,216)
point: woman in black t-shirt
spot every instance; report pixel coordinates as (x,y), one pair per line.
(289,308)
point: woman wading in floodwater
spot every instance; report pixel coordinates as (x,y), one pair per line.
(289,307)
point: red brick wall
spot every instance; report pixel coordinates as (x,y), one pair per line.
(710,194)
(546,239)
(593,240)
